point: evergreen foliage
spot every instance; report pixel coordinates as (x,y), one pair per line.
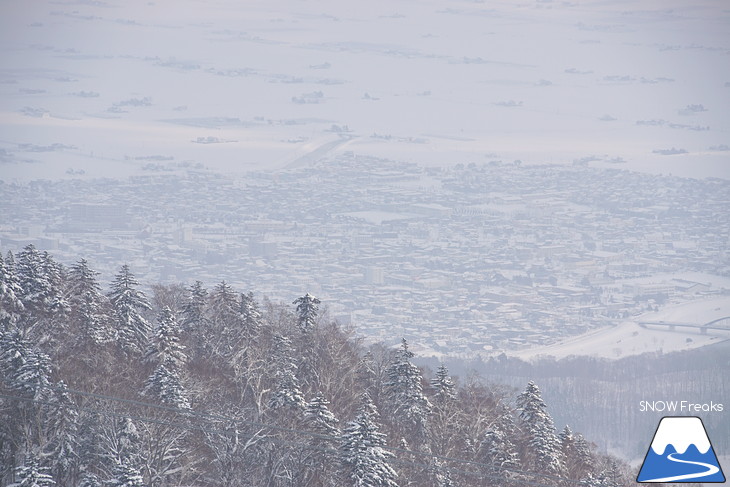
(237,376)
(88,305)
(286,393)
(443,386)
(307,309)
(407,402)
(541,444)
(10,292)
(364,460)
(31,474)
(129,304)
(164,347)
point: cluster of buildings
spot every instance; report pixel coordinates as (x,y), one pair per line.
(461,260)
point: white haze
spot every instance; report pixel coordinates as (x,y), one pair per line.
(637,85)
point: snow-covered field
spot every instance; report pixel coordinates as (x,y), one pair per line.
(109,88)
(629,338)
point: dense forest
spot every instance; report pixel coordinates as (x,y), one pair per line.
(187,386)
(601,397)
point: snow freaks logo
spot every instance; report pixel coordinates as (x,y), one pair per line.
(681,452)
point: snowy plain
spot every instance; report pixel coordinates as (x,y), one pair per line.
(631,338)
(107,87)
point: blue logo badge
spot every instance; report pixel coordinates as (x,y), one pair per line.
(681,452)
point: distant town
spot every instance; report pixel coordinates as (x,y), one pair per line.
(465,260)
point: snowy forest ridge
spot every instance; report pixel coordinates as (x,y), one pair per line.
(214,391)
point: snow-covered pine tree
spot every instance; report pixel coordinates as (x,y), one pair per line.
(363,457)
(89,479)
(307,309)
(407,404)
(93,447)
(193,312)
(164,346)
(225,318)
(568,447)
(224,303)
(165,386)
(286,392)
(31,474)
(445,420)
(443,386)
(594,481)
(129,303)
(33,372)
(125,475)
(582,460)
(540,443)
(10,292)
(498,448)
(88,305)
(250,315)
(63,444)
(40,281)
(319,420)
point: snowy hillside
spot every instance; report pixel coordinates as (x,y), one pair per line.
(630,338)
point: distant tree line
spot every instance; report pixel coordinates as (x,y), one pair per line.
(209,387)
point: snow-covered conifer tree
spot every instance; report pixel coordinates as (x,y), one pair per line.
(89,479)
(39,278)
(498,448)
(286,391)
(307,309)
(224,305)
(582,456)
(362,454)
(193,313)
(63,434)
(165,386)
(129,303)
(125,475)
(443,386)
(88,305)
(541,444)
(164,346)
(319,420)
(442,475)
(225,320)
(408,405)
(250,315)
(24,369)
(10,292)
(594,481)
(31,474)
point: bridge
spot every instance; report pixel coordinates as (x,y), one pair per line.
(716,324)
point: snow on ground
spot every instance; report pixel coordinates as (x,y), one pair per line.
(106,87)
(628,338)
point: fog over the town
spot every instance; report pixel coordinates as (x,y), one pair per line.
(478,176)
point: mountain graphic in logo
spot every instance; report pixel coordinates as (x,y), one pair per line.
(681,452)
